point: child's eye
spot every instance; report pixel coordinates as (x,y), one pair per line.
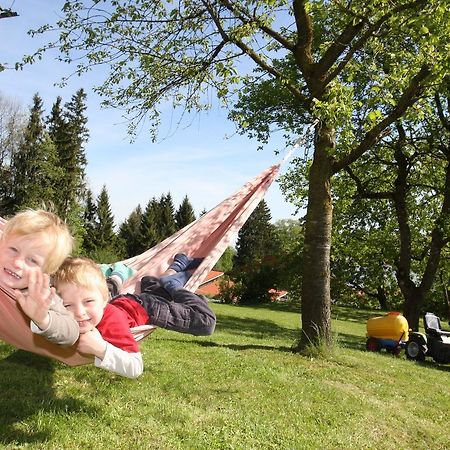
(13,249)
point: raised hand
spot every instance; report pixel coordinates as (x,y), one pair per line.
(36,300)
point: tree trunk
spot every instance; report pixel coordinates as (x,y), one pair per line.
(316,300)
(414,300)
(381,297)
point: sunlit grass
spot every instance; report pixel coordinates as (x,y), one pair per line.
(242,388)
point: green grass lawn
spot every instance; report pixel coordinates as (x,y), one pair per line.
(241,388)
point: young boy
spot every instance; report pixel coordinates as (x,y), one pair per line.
(105,326)
(33,244)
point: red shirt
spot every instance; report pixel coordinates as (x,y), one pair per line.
(118,317)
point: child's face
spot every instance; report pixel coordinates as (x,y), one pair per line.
(86,304)
(19,254)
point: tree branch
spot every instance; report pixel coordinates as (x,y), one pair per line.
(408,98)
(303,47)
(363,192)
(337,48)
(6,13)
(256,57)
(246,18)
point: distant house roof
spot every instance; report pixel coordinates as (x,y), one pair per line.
(210,286)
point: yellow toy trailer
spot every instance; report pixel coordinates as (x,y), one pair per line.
(390,331)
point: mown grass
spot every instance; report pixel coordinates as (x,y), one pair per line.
(242,388)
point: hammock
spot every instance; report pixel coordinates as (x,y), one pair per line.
(207,237)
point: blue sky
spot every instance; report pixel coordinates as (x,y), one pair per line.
(207,161)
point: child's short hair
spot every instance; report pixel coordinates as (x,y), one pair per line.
(39,221)
(82,272)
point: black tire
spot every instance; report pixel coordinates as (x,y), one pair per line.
(372,345)
(415,349)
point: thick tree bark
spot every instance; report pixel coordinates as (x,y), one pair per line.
(381,297)
(414,300)
(413,294)
(316,300)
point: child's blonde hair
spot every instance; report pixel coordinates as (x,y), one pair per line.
(83,272)
(39,221)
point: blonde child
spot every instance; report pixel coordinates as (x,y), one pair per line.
(105,326)
(33,245)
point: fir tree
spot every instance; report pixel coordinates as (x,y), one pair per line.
(185,214)
(166,219)
(34,168)
(105,236)
(130,233)
(58,131)
(90,224)
(68,131)
(253,265)
(149,229)
(256,238)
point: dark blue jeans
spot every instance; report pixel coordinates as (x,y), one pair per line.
(175,281)
(180,310)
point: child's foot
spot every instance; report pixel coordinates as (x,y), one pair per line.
(182,262)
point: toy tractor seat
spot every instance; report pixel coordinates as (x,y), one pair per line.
(432,325)
(435,342)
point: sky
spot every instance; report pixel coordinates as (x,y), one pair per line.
(207,160)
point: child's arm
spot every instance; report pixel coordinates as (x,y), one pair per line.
(110,357)
(48,316)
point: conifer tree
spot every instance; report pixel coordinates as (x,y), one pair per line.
(256,238)
(58,131)
(185,214)
(90,223)
(69,132)
(130,233)
(149,228)
(35,172)
(255,247)
(166,220)
(105,236)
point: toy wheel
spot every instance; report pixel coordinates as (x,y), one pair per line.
(415,350)
(373,345)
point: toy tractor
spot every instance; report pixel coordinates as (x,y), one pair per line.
(434,343)
(389,332)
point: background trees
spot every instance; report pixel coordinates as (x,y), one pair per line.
(353,68)
(254,262)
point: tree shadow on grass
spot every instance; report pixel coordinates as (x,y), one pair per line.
(354,315)
(254,328)
(240,347)
(351,341)
(27,389)
(251,329)
(236,347)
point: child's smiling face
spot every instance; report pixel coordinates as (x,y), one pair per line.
(86,304)
(19,254)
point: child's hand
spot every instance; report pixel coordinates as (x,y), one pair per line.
(36,302)
(92,343)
